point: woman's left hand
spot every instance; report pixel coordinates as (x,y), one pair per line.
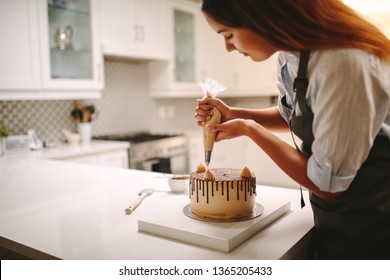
(231,129)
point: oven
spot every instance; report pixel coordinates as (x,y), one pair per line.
(164,153)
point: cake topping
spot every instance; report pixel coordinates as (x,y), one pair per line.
(246,173)
(209,176)
(200,168)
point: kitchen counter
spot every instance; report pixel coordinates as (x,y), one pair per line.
(53,209)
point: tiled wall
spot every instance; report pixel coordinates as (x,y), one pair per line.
(125,106)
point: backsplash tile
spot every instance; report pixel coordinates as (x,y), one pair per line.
(46,117)
(125,106)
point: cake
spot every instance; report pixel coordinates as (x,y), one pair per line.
(222,193)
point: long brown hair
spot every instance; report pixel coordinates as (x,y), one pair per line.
(294,25)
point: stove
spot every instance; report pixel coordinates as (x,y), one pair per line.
(167,153)
(134,137)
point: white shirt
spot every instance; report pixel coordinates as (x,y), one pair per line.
(349,94)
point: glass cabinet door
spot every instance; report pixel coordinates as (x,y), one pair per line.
(184,34)
(70,39)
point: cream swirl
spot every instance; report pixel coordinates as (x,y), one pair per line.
(246,173)
(208,175)
(200,168)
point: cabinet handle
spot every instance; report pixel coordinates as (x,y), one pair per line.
(142,33)
(136,31)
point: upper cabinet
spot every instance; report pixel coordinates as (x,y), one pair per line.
(71,54)
(134,28)
(199,53)
(19,49)
(52,51)
(190,49)
(244,77)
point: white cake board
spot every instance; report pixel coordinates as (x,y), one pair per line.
(173,223)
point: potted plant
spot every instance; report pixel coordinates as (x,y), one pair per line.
(4,132)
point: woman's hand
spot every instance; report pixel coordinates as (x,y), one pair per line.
(203,111)
(232,128)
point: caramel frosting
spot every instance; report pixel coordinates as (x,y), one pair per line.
(246,173)
(209,175)
(200,168)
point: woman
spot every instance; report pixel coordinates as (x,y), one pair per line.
(338,106)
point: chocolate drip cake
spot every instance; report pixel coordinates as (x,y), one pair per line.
(222,193)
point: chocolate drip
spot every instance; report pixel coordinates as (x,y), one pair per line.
(238,190)
(207,195)
(203,188)
(227,191)
(246,190)
(197,191)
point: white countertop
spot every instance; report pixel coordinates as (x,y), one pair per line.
(51,208)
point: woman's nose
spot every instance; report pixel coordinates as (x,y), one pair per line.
(229,46)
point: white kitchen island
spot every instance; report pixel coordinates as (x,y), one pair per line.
(51,209)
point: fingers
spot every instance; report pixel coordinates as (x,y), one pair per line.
(220,136)
(220,133)
(199,123)
(215,127)
(203,112)
(203,100)
(207,100)
(204,109)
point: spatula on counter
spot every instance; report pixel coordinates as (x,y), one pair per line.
(141,195)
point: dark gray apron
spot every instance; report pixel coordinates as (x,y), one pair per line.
(356,225)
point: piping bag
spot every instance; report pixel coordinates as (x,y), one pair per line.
(210,88)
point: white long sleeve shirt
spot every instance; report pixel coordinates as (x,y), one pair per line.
(349,94)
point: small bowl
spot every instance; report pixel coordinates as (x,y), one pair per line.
(178,184)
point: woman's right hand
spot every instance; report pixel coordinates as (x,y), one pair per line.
(203,111)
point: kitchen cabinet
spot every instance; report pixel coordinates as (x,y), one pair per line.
(118,159)
(53,53)
(244,77)
(19,49)
(199,53)
(134,28)
(192,47)
(78,64)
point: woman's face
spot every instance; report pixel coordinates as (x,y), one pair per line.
(244,40)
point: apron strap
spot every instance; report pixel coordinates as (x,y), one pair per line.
(300,87)
(301,82)
(303,204)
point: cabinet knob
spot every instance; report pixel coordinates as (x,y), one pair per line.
(142,34)
(136,35)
